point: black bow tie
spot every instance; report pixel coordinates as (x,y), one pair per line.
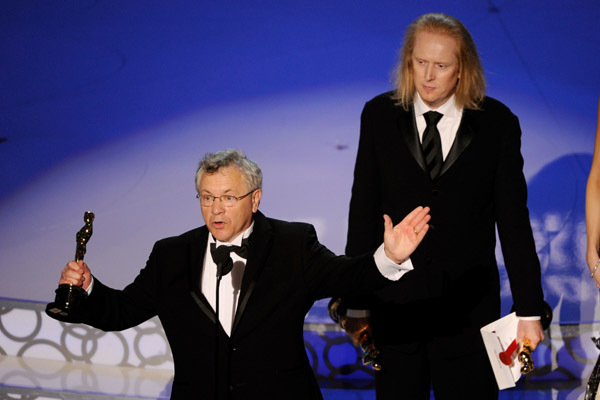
(222,256)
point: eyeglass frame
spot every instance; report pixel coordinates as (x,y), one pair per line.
(237,198)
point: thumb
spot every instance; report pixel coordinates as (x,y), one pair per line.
(387,222)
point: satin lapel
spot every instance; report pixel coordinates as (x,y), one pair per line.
(408,129)
(258,250)
(464,135)
(196,257)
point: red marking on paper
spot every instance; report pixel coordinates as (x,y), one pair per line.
(506,356)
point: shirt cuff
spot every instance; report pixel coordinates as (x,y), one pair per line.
(89,289)
(388,268)
(357,313)
(529,318)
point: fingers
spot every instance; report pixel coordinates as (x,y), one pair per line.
(355,327)
(592,259)
(533,341)
(416,216)
(421,231)
(419,218)
(422,226)
(416,221)
(73,273)
(531,330)
(412,228)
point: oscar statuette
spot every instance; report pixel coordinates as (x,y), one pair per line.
(70,298)
(525,357)
(358,330)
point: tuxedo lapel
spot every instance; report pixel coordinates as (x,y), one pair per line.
(258,249)
(196,250)
(407,125)
(464,135)
(408,129)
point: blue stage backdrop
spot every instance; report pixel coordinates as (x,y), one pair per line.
(108,106)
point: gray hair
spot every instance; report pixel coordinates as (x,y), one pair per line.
(213,162)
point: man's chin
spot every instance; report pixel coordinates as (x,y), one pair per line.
(433,101)
(219,234)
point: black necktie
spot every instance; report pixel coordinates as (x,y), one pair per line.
(432,144)
(222,256)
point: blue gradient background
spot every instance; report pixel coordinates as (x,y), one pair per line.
(108,106)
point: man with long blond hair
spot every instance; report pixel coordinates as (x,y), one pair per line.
(436,139)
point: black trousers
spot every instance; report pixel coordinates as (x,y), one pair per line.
(412,375)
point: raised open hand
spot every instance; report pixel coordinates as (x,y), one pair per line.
(401,240)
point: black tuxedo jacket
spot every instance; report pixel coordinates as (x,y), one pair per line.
(454,289)
(286,271)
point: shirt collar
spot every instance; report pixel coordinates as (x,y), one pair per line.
(448,109)
(237,241)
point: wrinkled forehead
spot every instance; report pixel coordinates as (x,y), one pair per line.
(225,179)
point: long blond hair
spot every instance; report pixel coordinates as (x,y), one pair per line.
(470,89)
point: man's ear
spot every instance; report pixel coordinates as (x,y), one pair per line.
(256,199)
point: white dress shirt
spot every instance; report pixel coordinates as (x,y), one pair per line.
(229,288)
(447,126)
(231,283)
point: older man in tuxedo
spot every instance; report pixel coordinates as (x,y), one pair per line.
(438,140)
(235,323)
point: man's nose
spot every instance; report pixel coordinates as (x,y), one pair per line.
(217,206)
(429,75)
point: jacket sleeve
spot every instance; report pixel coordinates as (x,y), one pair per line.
(328,275)
(114,310)
(365,221)
(514,228)
(365,226)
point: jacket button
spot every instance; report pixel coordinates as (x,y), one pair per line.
(432,227)
(435,192)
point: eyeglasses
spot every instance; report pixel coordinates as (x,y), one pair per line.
(228,200)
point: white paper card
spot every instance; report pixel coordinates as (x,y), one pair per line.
(497,337)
